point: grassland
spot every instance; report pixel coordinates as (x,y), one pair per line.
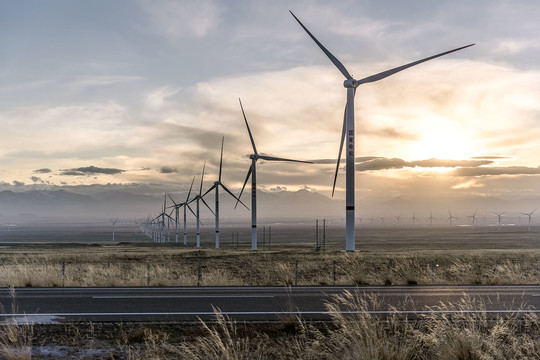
(385,256)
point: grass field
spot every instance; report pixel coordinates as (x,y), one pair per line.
(79,256)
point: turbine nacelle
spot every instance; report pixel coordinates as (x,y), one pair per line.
(351,83)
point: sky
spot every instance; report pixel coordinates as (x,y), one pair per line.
(137,95)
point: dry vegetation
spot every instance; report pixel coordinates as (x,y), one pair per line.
(460,335)
(142,265)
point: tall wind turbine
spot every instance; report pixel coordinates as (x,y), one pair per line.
(500,217)
(413,219)
(252,172)
(216,186)
(348,126)
(529,215)
(473,218)
(451,217)
(430,219)
(185,205)
(113,223)
(198,198)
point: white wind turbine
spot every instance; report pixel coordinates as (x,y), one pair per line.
(348,126)
(430,219)
(113,223)
(473,218)
(529,215)
(500,217)
(216,186)
(185,205)
(451,217)
(252,172)
(198,198)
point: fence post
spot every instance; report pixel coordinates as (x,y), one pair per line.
(495,267)
(432,265)
(199,279)
(251,273)
(296,273)
(390,267)
(334,271)
(63,273)
(148,274)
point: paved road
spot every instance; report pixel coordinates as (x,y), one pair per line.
(42,305)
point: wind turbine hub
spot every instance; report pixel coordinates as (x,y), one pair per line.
(253,156)
(350,83)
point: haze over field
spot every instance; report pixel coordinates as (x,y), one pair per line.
(133,97)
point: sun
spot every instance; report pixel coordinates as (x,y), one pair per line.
(441,139)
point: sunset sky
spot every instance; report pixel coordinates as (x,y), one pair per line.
(137,94)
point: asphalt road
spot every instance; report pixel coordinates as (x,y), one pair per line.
(51,305)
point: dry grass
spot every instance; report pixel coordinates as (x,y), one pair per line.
(127,265)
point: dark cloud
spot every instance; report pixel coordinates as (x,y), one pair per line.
(383,164)
(451,163)
(491,157)
(491,171)
(42,171)
(168,170)
(18,183)
(333,161)
(91,170)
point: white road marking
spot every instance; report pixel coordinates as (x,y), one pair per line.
(179,296)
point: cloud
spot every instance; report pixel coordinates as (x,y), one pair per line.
(91,170)
(491,171)
(17,183)
(184,18)
(42,171)
(168,170)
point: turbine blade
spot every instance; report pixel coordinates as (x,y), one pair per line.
(209,208)
(207,191)
(332,58)
(387,73)
(190,209)
(273,158)
(234,196)
(343,130)
(189,192)
(202,178)
(533,211)
(221,158)
(243,186)
(249,131)
(174,202)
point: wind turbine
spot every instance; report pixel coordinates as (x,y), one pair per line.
(348,126)
(198,198)
(473,218)
(252,172)
(216,186)
(500,217)
(113,223)
(451,217)
(529,215)
(413,218)
(398,218)
(185,205)
(430,219)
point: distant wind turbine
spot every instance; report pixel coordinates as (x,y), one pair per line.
(413,219)
(529,215)
(451,217)
(113,223)
(348,126)
(185,205)
(216,186)
(430,219)
(398,218)
(473,219)
(252,172)
(500,217)
(198,198)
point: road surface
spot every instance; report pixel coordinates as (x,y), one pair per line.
(168,304)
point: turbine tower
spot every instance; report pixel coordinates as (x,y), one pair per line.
(529,215)
(348,126)
(216,186)
(252,172)
(451,217)
(473,218)
(430,219)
